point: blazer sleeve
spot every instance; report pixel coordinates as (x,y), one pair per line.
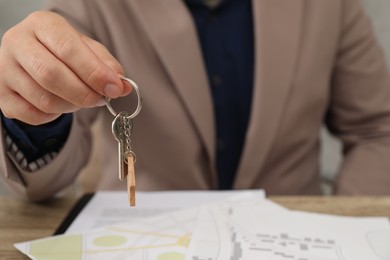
(359,113)
(62,171)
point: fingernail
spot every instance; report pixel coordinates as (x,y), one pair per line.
(112,91)
(101,102)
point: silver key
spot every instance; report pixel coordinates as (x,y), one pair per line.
(121,130)
(122,126)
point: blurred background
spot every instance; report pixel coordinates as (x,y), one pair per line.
(13,11)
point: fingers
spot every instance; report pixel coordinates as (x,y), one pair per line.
(66,44)
(16,107)
(38,106)
(48,68)
(54,76)
(33,93)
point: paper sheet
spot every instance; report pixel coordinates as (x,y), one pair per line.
(108,208)
(247,230)
(241,227)
(165,236)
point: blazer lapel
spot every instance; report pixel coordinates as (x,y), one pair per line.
(172,32)
(277,25)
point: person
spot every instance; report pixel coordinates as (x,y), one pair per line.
(235,93)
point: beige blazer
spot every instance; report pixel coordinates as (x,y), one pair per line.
(315,61)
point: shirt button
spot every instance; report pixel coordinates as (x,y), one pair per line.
(216,81)
(220,145)
(211,17)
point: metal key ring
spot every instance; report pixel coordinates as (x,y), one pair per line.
(139,100)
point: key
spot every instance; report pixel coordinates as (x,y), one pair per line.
(121,129)
(119,134)
(122,126)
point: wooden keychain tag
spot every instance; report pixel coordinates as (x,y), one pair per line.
(131,179)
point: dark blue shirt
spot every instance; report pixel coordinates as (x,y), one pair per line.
(226,37)
(37,141)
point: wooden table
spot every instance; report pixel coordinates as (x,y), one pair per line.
(22,221)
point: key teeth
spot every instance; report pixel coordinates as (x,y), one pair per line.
(118,133)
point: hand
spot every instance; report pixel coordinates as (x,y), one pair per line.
(47,68)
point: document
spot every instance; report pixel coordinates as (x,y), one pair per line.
(160,230)
(247,230)
(107,208)
(230,226)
